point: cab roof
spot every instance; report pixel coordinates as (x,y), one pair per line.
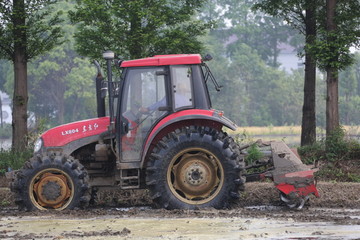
(160,60)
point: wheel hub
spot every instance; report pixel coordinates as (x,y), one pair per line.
(51,190)
(195,175)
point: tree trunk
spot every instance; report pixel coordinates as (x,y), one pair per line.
(20,97)
(308,128)
(332,100)
(332,92)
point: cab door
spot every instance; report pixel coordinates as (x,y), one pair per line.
(143,104)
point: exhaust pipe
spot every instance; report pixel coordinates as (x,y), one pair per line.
(100,99)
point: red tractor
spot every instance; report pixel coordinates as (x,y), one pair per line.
(160,133)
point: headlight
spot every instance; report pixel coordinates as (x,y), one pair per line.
(37,145)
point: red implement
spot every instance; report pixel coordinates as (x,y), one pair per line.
(294,179)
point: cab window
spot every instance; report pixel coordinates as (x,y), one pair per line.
(182,88)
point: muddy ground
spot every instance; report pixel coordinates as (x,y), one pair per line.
(259,214)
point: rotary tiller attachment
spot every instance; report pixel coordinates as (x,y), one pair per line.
(291,177)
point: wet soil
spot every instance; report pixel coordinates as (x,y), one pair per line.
(258,214)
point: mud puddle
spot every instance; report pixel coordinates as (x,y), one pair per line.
(147,223)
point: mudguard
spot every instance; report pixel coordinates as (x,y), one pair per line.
(181,118)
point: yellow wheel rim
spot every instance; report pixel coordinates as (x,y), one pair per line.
(195,176)
(51,189)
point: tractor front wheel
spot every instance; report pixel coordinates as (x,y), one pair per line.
(194,167)
(51,182)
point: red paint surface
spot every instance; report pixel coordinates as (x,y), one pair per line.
(61,135)
(302,191)
(161,60)
(180,114)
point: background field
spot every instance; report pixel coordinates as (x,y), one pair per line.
(288,134)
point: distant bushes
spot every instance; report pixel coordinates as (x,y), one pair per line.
(13,160)
(337,156)
(334,148)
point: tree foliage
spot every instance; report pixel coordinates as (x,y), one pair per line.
(138,28)
(332,48)
(41,27)
(61,83)
(27,29)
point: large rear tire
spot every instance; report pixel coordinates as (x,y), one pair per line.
(194,167)
(51,182)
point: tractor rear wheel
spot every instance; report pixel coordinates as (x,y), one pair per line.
(194,167)
(51,182)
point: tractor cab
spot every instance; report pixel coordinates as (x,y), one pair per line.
(152,89)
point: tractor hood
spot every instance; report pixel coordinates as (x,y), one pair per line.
(64,134)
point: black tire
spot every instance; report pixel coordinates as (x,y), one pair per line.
(51,182)
(195,167)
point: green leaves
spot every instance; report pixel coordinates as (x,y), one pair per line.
(38,32)
(139,28)
(332,50)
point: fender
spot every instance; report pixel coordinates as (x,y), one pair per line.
(194,114)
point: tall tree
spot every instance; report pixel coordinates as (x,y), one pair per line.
(338,31)
(138,28)
(332,90)
(301,15)
(26,31)
(308,123)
